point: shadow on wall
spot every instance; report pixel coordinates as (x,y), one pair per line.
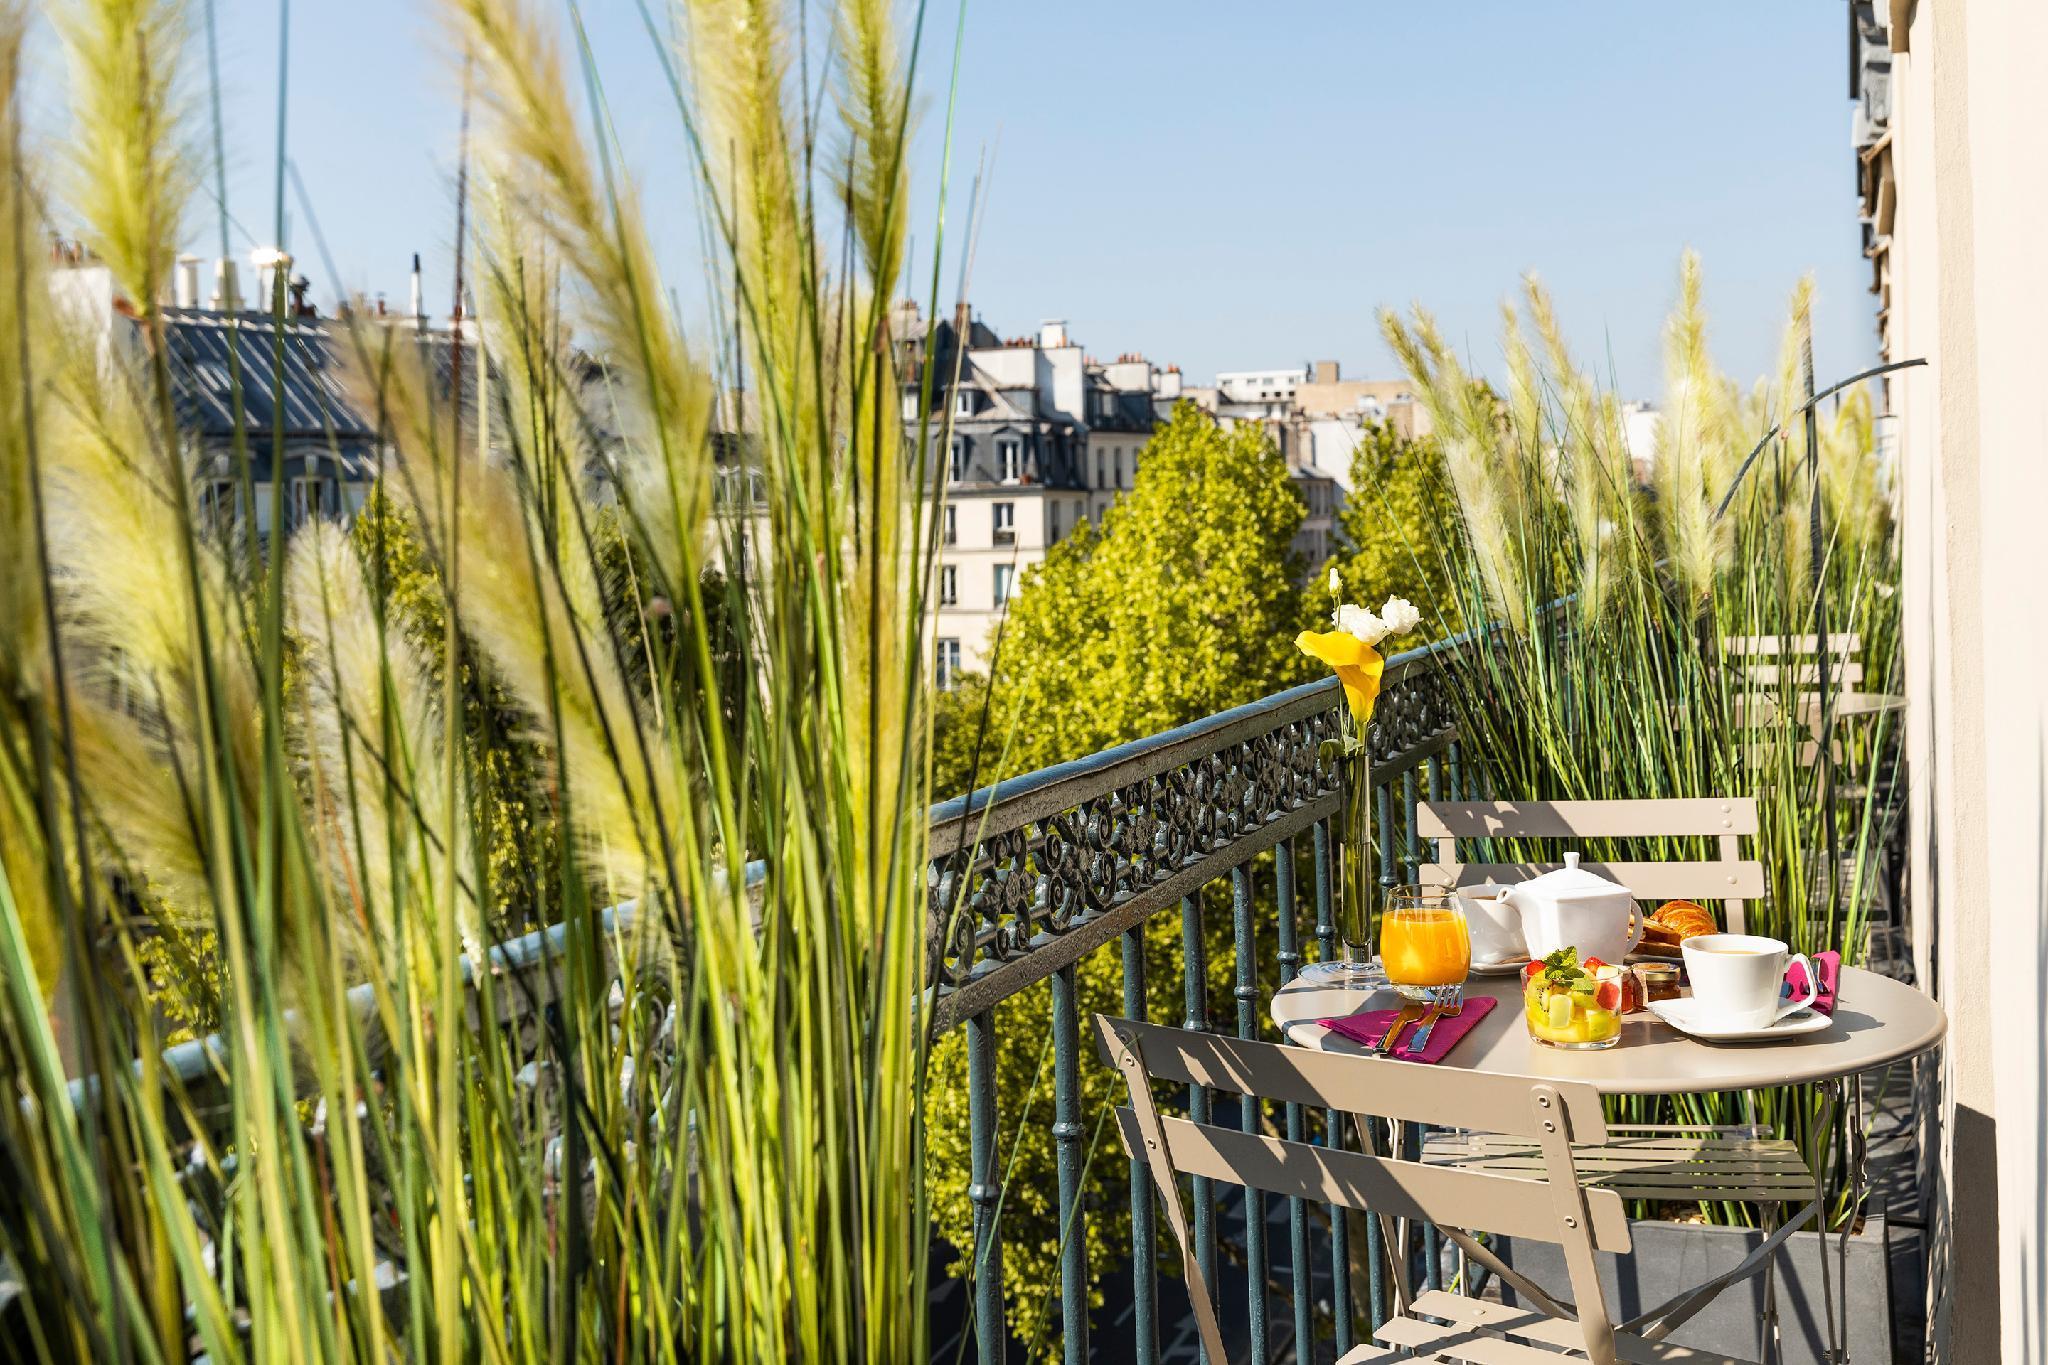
(2033,1268)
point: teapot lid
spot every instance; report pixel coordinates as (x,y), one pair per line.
(1573,881)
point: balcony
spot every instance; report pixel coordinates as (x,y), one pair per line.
(1227,822)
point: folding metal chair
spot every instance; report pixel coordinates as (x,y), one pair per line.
(1551,1204)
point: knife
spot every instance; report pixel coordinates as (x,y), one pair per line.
(1421,1038)
(1410,1012)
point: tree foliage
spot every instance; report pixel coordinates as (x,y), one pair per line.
(1183,603)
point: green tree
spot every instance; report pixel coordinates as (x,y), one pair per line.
(1400,528)
(1182,604)
(959,721)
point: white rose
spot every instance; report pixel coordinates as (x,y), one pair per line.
(1360,624)
(1399,616)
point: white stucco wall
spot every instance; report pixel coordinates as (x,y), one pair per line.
(1970,292)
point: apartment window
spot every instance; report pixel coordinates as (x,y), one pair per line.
(1052,531)
(1009,459)
(1099,468)
(1005,576)
(1119,458)
(949,585)
(950,526)
(909,405)
(963,402)
(308,500)
(956,460)
(1005,515)
(217,502)
(946,664)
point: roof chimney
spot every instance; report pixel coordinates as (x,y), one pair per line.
(419,297)
(1326,371)
(963,320)
(272,266)
(1052,333)
(187,281)
(227,293)
(301,308)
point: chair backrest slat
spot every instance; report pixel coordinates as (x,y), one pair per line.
(1452,1196)
(1839,646)
(1443,1096)
(1843,674)
(1732,879)
(1639,819)
(1659,881)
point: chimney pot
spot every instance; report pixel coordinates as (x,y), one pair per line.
(227,293)
(187,279)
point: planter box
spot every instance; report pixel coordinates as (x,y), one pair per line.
(1672,1257)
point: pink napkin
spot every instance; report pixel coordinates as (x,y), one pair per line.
(1828,967)
(1366,1028)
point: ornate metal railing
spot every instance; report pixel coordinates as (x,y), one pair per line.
(1034,875)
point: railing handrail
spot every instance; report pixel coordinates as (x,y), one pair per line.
(1030,795)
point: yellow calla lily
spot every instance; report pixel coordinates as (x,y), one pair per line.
(1357,663)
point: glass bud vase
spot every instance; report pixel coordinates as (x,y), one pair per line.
(1358,880)
(1355,879)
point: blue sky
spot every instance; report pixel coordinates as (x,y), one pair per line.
(1222,187)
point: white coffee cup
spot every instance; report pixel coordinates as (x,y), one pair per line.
(1495,927)
(1737,979)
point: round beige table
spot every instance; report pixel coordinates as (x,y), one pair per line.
(1877,1021)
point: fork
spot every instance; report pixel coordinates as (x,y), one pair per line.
(1410,1012)
(1448,1001)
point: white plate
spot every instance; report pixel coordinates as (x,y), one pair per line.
(1683,1016)
(1512,967)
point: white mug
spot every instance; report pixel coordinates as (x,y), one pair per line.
(1737,979)
(1494,926)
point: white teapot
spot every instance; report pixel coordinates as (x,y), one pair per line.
(1573,908)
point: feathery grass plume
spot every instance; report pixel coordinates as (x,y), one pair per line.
(131,171)
(377,812)
(1524,408)
(874,105)
(1789,391)
(25,676)
(1591,466)
(1854,484)
(1690,432)
(534,154)
(547,432)
(22,285)
(514,606)
(149,619)
(736,52)
(1467,429)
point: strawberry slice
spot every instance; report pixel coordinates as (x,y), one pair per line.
(1592,964)
(1607,995)
(1534,966)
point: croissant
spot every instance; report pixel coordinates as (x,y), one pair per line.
(1685,918)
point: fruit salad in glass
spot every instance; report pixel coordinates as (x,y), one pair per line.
(1572,1004)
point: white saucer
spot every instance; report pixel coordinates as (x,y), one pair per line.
(1512,967)
(1682,1015)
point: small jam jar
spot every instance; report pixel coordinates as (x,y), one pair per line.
(1655,981)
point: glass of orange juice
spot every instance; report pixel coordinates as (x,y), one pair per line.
(1424,945)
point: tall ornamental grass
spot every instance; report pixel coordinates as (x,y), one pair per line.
(1608,675)
(684,1122)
